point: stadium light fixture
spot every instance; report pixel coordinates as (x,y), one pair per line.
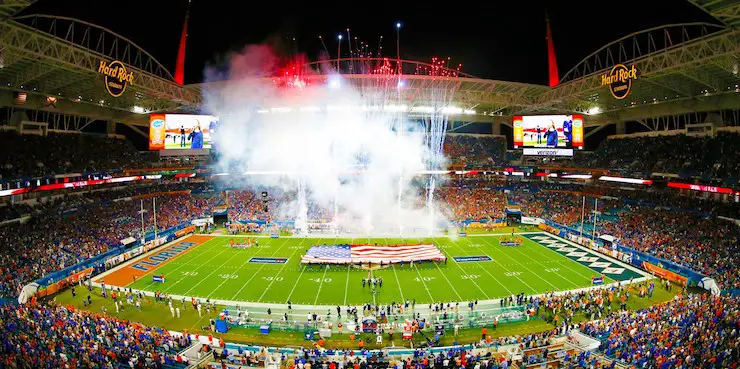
(576,176)
(340,37)
(422,109)
(395,108)
(139,110)
(451,110)
(626,180)
(398,25)
(593,111)
(334,82)
(469,112)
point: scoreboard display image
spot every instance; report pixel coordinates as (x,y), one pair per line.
(548,131)
(181,131)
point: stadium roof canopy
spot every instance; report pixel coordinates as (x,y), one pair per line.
(691,67)
(727,11)
(46,55)
(681,68)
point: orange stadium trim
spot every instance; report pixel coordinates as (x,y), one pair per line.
(140,268)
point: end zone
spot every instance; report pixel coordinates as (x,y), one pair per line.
(128,272)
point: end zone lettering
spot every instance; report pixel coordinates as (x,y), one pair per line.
(268,260)
(467,259)
(156,259)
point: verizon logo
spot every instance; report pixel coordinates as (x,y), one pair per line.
(549,152)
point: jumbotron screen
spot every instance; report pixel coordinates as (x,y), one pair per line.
(181,131)
(555,131)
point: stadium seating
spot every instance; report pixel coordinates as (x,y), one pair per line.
(475,151)
(461,204)
(707,245)
(52,336)
(706,157)
(34,155)
(675,232)
(67,230)
(690,331)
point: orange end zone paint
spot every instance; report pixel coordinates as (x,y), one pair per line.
(142,267)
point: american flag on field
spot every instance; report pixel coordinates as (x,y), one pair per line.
(346,254)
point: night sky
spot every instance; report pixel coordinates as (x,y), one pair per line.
(490,39)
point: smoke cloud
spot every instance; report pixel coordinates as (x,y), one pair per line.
(337,147)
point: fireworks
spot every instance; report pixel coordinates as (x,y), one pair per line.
(353,148)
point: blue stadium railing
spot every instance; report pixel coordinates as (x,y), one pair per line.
(98,262)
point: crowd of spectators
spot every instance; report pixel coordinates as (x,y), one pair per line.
(705,244)
(70,229)
(31,155)
(712,157)
(14,211)
(694,331)
(658,223)
(560,207)
(475,151)
(462,203)
(52,336)
(245,205)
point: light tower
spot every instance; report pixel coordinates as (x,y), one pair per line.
(551,61)
(180,65)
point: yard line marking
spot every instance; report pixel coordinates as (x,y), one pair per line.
(242,265)
(346,286)
(507,269)
(545,266)
(255,273)
(479,265)
(279,271)
(295,284)
(210,274)
(393,266)
(424,283)
(398,282)
(173,262)
(321,284)
(464,272)
(562,259)
(298,280)
(372,276)
(530,270)
(185,277)
(450,283)
(445,277)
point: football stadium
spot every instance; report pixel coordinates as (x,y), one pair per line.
(334,204)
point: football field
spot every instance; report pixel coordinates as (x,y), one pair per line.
(478,268)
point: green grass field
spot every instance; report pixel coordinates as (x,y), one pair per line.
(541,264)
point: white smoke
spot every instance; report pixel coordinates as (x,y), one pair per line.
(317,133)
